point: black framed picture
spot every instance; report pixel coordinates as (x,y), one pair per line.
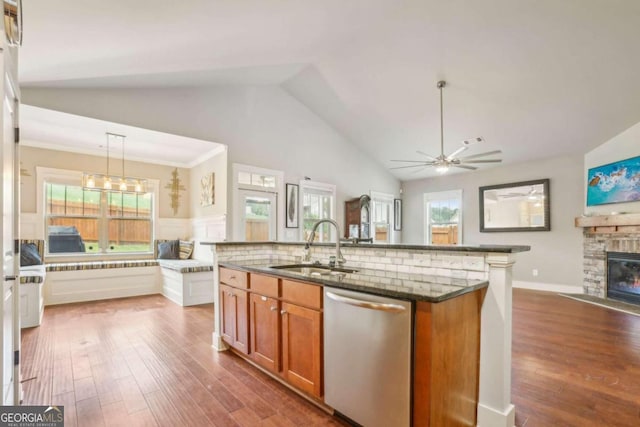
(397,214)
(292,206)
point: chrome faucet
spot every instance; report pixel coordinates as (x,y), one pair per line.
(339,259)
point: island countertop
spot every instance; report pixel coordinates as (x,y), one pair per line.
(348,244)
(411,287)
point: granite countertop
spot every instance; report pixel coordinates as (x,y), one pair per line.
(412,287)
(348,244)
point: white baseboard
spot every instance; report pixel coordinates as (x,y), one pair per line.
(548,287)
(489,417)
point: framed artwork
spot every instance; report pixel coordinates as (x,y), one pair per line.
(616,182)
(292,206)
(397,214)
(208,190)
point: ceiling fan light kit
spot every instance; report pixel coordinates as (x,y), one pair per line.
(442,162)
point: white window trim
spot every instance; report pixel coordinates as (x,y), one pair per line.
(71,177)
(442,195)
(236,168)
(377,197)
(306,184)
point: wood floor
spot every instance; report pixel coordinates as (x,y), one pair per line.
(145,361)
(574,364)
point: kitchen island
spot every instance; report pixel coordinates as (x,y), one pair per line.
(446,286)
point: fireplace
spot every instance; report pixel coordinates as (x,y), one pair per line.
(623,276)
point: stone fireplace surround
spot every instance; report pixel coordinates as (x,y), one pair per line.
(602,234)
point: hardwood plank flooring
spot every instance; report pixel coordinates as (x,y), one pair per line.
(574,364)
(145,361)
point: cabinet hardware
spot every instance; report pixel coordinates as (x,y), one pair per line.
(263,298)
(273,308)
(283,312)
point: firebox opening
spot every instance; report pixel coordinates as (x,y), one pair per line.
(623,276)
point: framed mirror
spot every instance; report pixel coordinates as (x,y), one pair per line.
(517,206)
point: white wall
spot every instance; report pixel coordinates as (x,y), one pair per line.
(556,254)
(620,147)
(263,126)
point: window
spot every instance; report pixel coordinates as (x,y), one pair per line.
(318,202)
(255,202)
(443,218)
(80,220)
(381,216)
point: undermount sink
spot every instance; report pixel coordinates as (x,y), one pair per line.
(315,269)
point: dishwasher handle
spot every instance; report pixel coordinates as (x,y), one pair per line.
(390,308)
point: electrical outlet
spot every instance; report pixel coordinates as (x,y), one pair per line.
(534,272)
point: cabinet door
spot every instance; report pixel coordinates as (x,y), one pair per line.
(265,331)
(241,300)
(227,314)
(302,348)
(234,317)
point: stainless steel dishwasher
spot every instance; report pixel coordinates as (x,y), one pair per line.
(367,357)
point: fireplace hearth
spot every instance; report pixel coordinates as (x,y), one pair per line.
(623,276)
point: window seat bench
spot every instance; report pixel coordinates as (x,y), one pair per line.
(185,282)
(31,300)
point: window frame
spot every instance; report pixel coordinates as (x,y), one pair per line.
(318,187)
(441,195)
(376,199)
(236,225)
(74,178)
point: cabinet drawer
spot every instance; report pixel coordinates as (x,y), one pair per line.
(302,293)
(234,278)
(264,285)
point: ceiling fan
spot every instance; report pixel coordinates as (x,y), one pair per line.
(443,162)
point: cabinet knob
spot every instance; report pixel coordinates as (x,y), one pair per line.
(263,298)
(273,308)
(232,277)
(229,294)
(283,312)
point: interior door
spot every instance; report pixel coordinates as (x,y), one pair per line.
(258,215)
(10,291)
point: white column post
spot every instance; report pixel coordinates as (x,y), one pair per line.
(218,344)
(494,407)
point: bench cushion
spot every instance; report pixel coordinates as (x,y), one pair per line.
(186,265)
(32,274)
(97,265)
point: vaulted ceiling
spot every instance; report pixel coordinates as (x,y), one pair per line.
(534,78)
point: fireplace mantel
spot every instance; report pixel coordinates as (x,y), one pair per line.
(628,223)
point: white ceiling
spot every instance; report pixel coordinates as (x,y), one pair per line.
(44,128)
(535,78)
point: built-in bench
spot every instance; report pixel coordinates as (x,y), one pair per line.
(185,282)
(31,281)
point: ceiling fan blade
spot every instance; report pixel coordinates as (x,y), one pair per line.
(410,161)
(425,154)
(455,153)
(411,166)
(474,156)
(465,167)
(482,161)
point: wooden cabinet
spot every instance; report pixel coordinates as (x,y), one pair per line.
(357,218)
(264,318)
(283,320)
(234,317)
(302,348)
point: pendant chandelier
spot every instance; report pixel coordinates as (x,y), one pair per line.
(105,182)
